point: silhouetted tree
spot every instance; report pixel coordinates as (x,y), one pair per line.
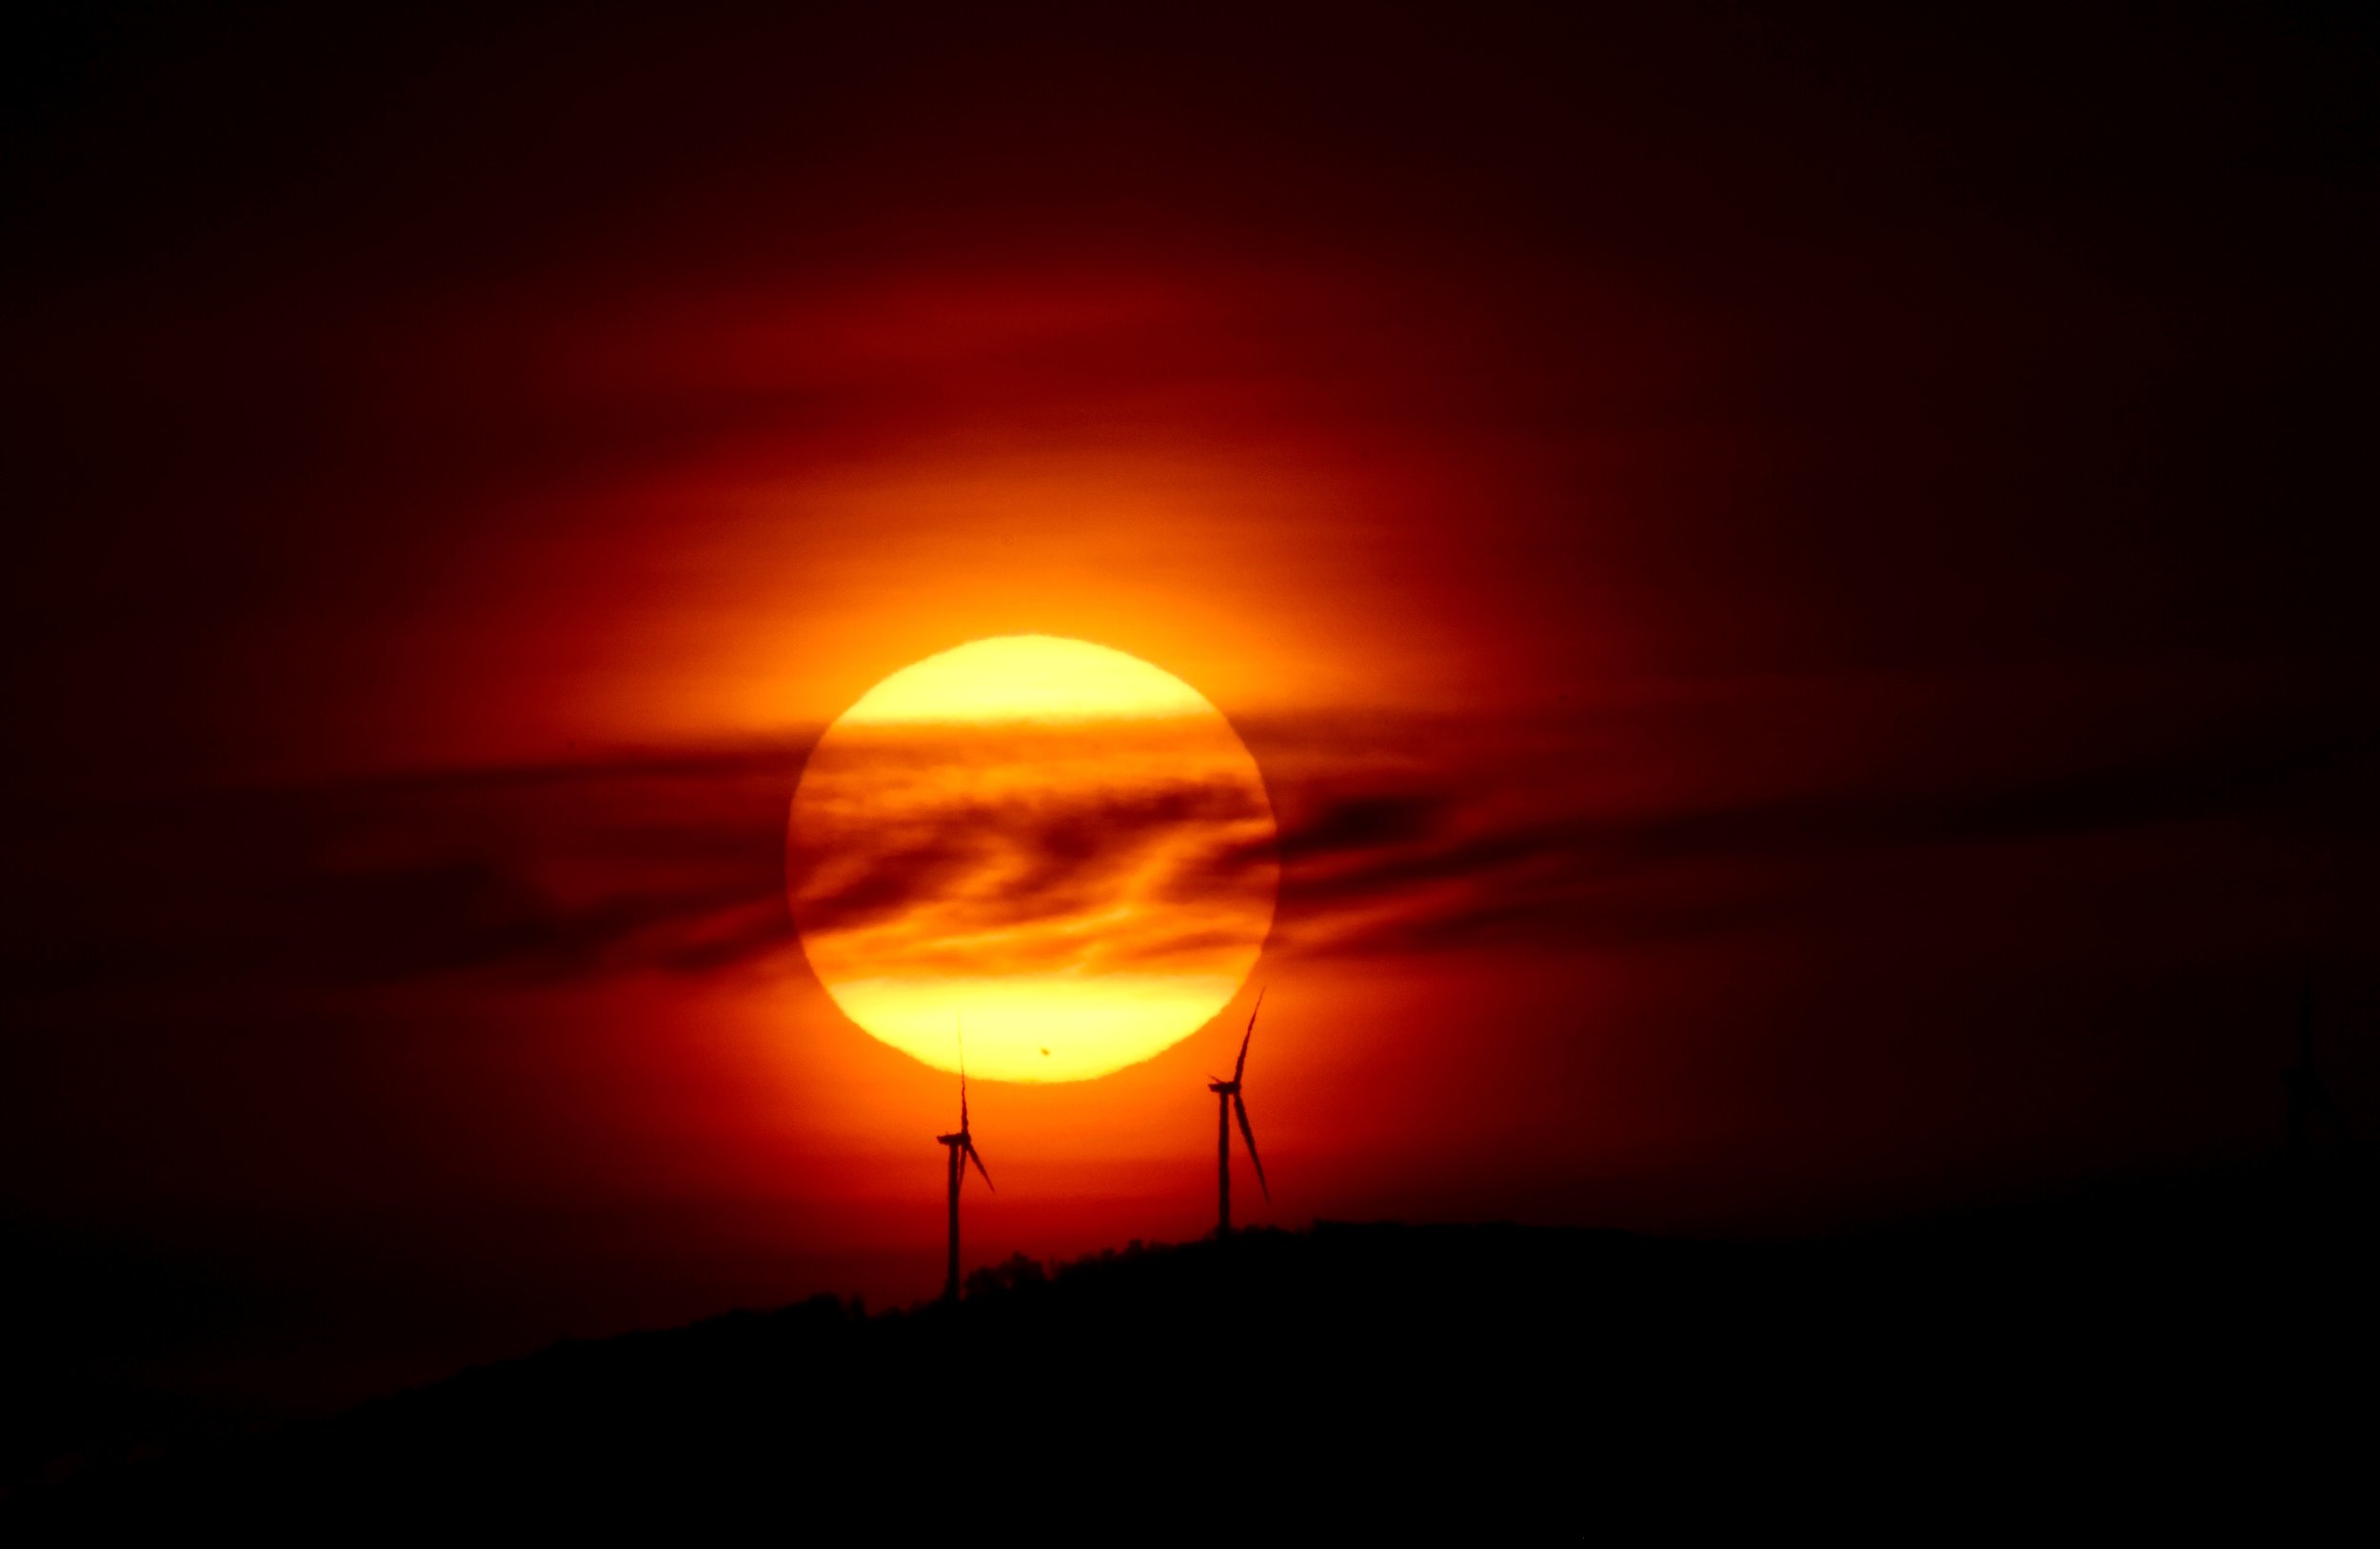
(1017,1272)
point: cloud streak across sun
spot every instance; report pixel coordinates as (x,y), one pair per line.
(674,862)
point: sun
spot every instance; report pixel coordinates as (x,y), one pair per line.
(1062,848)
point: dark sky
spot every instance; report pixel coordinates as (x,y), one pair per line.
(1802,587)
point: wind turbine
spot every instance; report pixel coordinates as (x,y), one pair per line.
(1227,1102)
(961,1148)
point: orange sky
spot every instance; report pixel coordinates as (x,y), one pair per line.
(1783,622)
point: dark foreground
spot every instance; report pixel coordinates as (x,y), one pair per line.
(2190,1351)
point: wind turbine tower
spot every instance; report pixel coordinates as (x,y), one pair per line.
(961,1148)
(1228,1106)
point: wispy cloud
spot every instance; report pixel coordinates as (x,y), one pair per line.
(677,863)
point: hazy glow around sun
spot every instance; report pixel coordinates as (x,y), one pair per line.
(1063,844)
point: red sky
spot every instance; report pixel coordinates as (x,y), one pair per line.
(1800,590)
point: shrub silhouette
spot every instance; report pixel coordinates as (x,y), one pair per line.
(1016,1273)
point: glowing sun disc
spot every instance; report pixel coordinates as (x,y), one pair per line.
(1063,845)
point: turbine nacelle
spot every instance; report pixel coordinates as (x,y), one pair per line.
(963,1152)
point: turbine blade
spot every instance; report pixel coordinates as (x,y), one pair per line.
(962,1031)
(978,1159)
(1249,1034)
(1249,1134)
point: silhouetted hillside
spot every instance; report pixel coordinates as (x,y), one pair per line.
(2198,1337)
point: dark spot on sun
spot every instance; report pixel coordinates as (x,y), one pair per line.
(1045,1053)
